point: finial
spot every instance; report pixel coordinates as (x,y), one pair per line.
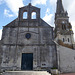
(30,2)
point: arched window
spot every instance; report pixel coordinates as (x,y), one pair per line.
(63,27)
(68,40)
(33,15)
(63,40)
(25,15)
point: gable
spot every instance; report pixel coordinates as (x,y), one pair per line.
(14,23)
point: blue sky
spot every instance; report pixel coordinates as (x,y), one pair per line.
(9,10)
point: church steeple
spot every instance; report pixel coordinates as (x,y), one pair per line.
(60,8)
(60,12)
(63,29)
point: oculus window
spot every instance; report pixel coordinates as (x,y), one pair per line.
(28,35)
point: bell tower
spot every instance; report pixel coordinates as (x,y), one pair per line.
(63,29)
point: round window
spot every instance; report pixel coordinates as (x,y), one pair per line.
(28,35)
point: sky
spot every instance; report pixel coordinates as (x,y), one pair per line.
(9,10)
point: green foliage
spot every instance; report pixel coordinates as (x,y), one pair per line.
(54,68)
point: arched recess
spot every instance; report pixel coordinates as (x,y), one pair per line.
(33,15)
(25,15)
(63,27)
(68,40)
(63,40)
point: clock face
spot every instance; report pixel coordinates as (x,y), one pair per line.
(28,35)
(63,22)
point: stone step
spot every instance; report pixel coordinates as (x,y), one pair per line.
(26,73)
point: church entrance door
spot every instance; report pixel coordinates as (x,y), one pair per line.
(27,61)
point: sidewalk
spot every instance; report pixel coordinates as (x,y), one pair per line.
(68,74)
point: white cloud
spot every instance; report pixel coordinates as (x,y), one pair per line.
(53,2)
(48,17)
(35,2)
(14,5)
(33,15)
(6,13)
(48,11)
(1,1)
(0,33)
(73,27)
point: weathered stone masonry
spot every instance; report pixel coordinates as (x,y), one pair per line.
(40,42)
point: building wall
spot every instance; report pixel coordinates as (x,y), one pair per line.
(64,39)
(66,59)
(41,44)
(14,41)
(0,54)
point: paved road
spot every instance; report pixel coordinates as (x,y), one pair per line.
(68,74)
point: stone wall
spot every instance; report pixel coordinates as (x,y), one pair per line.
(14,43)
(1,53)
(66,59)
(40,44)
(68,39)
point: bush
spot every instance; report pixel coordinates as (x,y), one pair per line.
(65,45)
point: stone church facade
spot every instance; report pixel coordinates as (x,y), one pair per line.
(27,44)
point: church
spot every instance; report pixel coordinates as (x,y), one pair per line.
(64,40)
(28,43)
(63,28)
